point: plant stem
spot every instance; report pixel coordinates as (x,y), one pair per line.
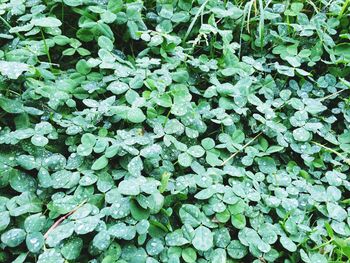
(9,27)
(61,219)
(244,146)
(46,47)
(331,95)
(346,160)
(345,5)
(200,10)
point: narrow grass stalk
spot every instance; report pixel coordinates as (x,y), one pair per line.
(9,27)
(331,95)
(261,24)
(46,47)
(245,14)
(244,146)
(250,5)
(61,219)
(346,160)
(200,10)
(343,9)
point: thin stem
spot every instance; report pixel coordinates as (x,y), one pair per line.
(249,10)
(313,5)
(345,5)
(200,10)
(331,95)
(9,27)
(46,47)
(323,244)
(61,219)
(346,160)
(167,117)
(244,146)
(62,11)
(261,25)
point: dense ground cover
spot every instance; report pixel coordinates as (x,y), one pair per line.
(174,131)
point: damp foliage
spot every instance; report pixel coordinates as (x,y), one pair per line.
(174,131)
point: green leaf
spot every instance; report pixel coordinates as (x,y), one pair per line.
(318,258)
(122,231)
(102,240)
(100,163)
(164,100)
(267,233)
(137,212)
(46,22)
(12,70)
(136,115)
(50,256)
(176,238)
(208,143)
(105,42)
(115,5)
(84,150)
(238,136)
(135,166)
(10,106)
(21,258)
(203,238)
(336,212)
(223,217)
(72,248)
(34,223)
(151,151)
(342,49)
(118,87)
(39,140)
(13,237)
(83,67)
(22,182)
(238,221)
(196,151)
(205,193)
(88,140)
(190,214)
(43,128)
(64,179)
(173,126)
(164,182)
(129,187)
(4,220)
(301,135)
(60,233)
(185,159)
(120,208)
(288,244)
(34,242)
(236,250)
(26,161)
(189,255)
(154,246)
(105,30)
(84,225)
(44,178)
(267,165)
